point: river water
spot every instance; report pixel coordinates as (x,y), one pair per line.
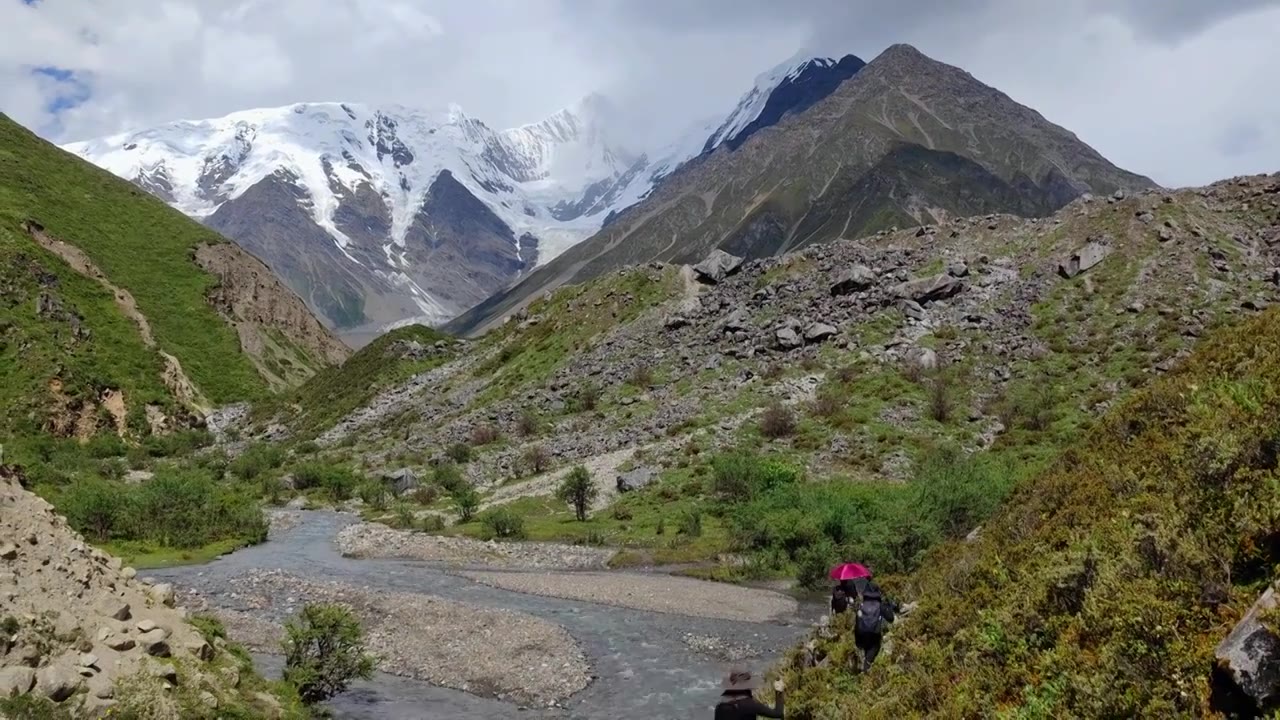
(643,668)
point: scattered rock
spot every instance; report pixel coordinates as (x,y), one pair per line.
(923,358)
(736,322)
(57,682)
(1248,660)
(926,290)
(818,332)
(16,681)
(8,551)
(636,479)
(856,279)
(1083,260)
(717,266)
(163,594)
(402,481)
(786,339)
(958,270)
(912,309)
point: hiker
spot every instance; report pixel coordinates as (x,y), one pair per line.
(846,594)
(875,612)
(737,702)
(839,600)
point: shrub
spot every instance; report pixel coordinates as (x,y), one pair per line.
(138,458)
(777,422)
(324,651)
(502,523)
(177,444)
(621,512)
(536,459)
(483,434)
(187,509)
(465,501)
(375,494)
(106,445)
(528,423)
(338,481)
(941,402)
(827,404)
(846,374)
(448,476)
(307,447)
(661,528)
(586,399)
(690,523)
(256,460)
(113,468)
(578,490)
(641,376)
(209,627)
(810,363)
(460,453)
(773,372)
(739,477)
(403,514)
(431,523)
(272,489)
(94,507)
(426,494)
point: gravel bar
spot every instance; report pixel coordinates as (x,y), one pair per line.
(490,652)
(375,540)
(655,593)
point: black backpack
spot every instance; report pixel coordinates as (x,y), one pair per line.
(870,617)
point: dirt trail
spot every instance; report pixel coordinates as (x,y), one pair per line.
(175,378)
(603,469)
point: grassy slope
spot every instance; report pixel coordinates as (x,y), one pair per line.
(140,243)
(1091,594)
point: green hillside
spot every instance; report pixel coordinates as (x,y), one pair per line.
(1104,584)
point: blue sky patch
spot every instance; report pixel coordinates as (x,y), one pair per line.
(64,89)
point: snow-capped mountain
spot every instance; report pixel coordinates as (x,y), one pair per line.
(378,216)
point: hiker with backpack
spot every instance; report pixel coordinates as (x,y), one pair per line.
(875,613)
(737,702)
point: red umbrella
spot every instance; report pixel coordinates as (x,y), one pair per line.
(850,571)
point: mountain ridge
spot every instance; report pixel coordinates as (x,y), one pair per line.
(790,185)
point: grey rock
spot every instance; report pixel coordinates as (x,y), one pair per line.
(57,682)
(787,339)
(1118,195)
(717,266)
(923,358)
(855,279)
(119,643)
(115,608)
(155,642)
(163,594)
(402,480)
(926,290)
(675,322)
(958,270)
(146,626)
(1083,260)
(1146,217)
(16,681)
(1250,655)
(636,479)
(1165,234)
(8,551)
(912,309)
(819,332)
(737,322)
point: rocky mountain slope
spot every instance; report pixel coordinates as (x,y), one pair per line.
(1002,336)
(1134,578)
(380,216)
(905,141)
(81,633)
(119,314)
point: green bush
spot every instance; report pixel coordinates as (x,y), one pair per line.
(431,523)
(177,444)
(323,652)
(503,524)
(375,494)
(256,460)
(404,515)
(448,476)
(578,490)
(465,502)
(106,445)
(690,523)
(338,481)
(460,453)
(426,494)
(95,507)
(739,477)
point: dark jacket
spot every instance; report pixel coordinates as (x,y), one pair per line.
(746,707)
(839,601)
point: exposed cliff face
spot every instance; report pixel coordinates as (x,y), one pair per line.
(275,328)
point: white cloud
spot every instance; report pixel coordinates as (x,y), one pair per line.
(1176,89)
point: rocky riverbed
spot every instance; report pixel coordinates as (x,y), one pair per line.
(377,541)
(491,652)
(640,664)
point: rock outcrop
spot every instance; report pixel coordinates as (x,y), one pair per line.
(718,266)
(1247,676)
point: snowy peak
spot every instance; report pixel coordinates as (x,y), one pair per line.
(788,88)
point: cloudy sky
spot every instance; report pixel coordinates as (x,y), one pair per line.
(1181,90)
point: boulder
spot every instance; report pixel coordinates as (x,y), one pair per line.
(818,332)
(1248,661)
(737,322)
(923,358)
(16,681)
(163,594)
(1082,260)
(675,322)
(911,309)
(855,279)
(155,642)
(717,266)
(636,479)
(57,682)
(958,270)
(115,608)
(927,290)
(8,551)
(402,481)
(787,339)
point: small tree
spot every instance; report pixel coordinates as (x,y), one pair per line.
(536,459)
(578,490)
(324,651)
(466,501)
